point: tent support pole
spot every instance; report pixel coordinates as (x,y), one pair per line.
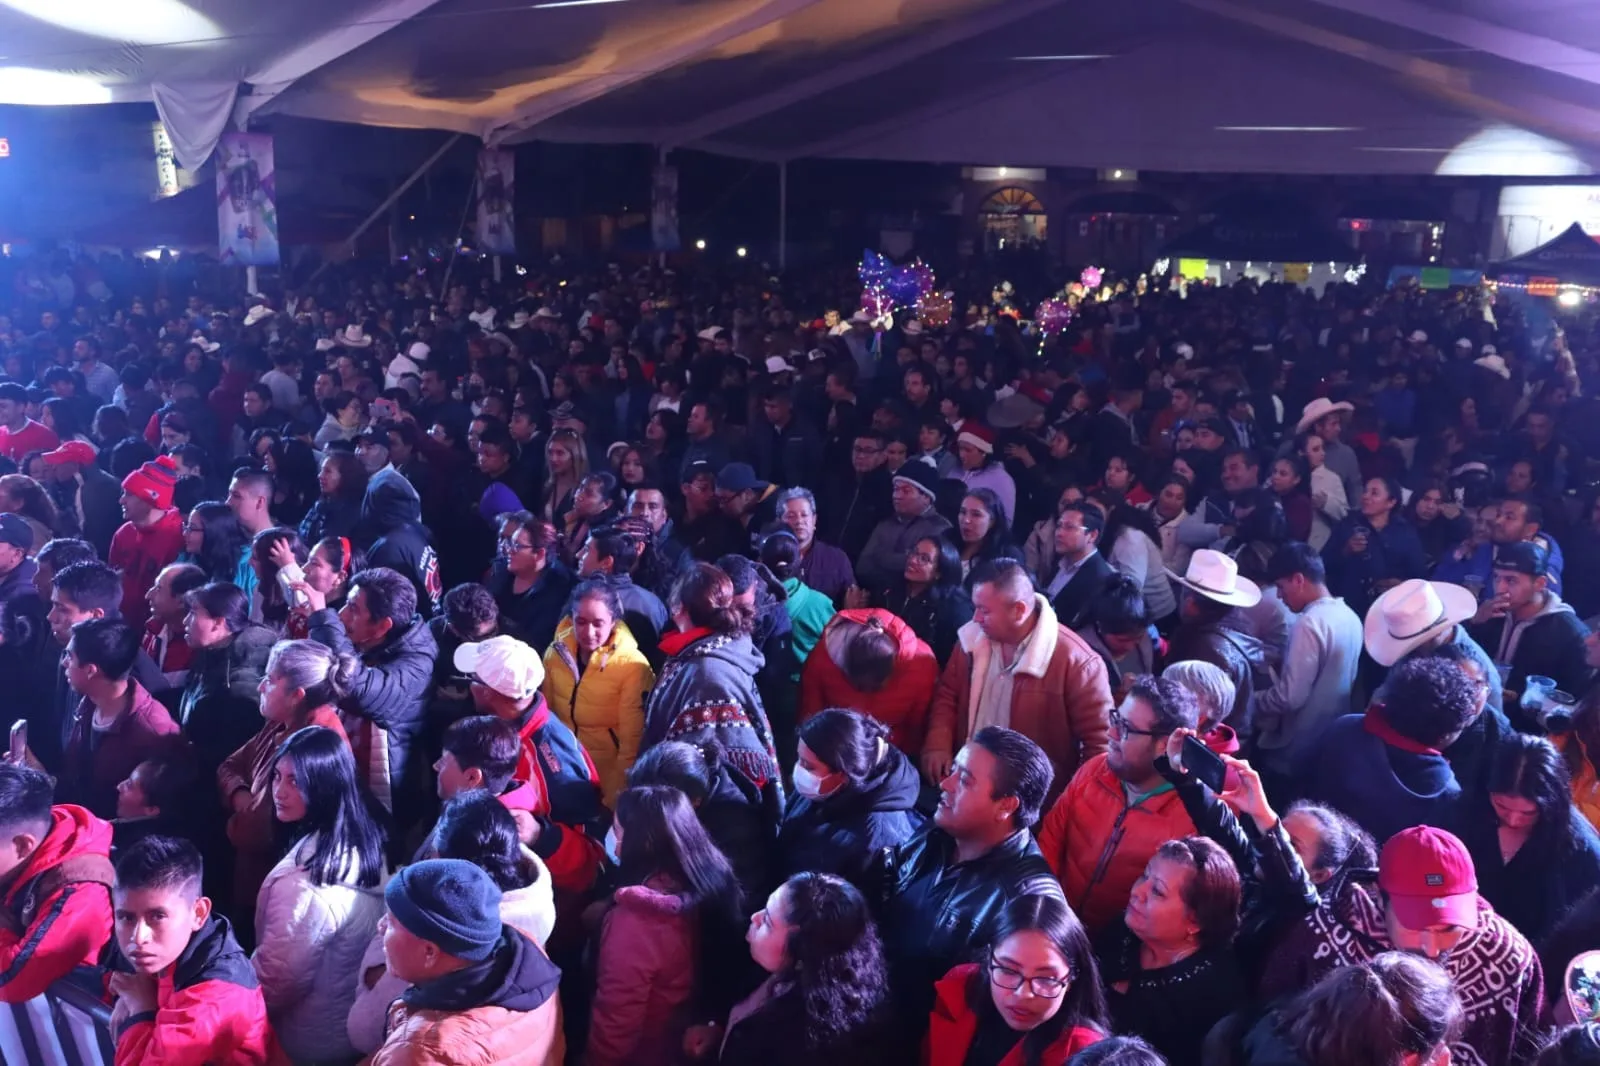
(426,166)
(783,214)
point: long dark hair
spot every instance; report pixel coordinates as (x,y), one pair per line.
(997,541)
(845,741)
(223,543)
(1083,1002)
(222,600)
(947,569)
(1344,847)
(343,816)
(274,608)
(1531,768)
(1126,516)
(706,594)
(835,961)
(1375,1012)
(477,827)
(352,476)
(662,836)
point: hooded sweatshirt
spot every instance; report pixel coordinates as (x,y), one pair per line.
(57,911)
(842,832)
(1387,782)
(1550,644)
(391,514)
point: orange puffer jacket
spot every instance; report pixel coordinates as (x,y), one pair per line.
(1097,844)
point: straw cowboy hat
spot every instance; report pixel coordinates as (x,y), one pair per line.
(1317,410)
(353,336)
(1216,577)
(1411,613)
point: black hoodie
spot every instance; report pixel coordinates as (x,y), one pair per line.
(391,514)
(841,832)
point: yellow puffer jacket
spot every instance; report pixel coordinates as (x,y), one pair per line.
(605,706)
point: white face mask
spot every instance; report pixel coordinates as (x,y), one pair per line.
(807,783)
(613,846)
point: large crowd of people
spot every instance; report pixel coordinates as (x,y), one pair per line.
(608,667)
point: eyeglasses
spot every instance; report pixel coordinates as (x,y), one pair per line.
(922,558)
(511,547)
(1120,724)
(1010,980)
(859,450)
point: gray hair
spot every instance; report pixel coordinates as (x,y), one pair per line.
(796,494)
(319,671)
(1211,686)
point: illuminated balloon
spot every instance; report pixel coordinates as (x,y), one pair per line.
(1053,316)
(1091,277)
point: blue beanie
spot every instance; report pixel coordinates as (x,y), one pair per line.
(448,902)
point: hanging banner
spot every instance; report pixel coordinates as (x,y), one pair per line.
(664,209)
(1297,273)
(247,209)
(497,224)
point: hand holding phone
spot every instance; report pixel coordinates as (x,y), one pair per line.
(290,575)
(18,752)
(1203,763)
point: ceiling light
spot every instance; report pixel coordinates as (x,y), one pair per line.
(24,85)
(135,21)
(741,253)
(571,3)
(700,244)
(1288,129)
(1056,59)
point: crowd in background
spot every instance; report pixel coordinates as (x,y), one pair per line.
(618,665)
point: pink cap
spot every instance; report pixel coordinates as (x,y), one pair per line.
(1429,878)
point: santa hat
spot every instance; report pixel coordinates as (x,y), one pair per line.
(979,436)
(153,482)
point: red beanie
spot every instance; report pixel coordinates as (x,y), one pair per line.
(153,482)
(979,436)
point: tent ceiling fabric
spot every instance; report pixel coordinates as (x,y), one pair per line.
(1321,87)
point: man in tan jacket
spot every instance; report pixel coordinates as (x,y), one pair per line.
(1017,667)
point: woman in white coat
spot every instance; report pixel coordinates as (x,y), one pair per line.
(1329,503)
(477,827)
(321,904)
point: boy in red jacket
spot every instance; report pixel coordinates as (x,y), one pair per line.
(186,992)
(55,885)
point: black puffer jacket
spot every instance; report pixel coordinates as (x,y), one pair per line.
(391,516)
(933,914)
(220,706)
(1240,656)
(841,833)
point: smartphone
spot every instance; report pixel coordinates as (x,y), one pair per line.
(19,740)
(287,576)
(1204,763)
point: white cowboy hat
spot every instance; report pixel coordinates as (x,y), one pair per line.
(1418,337)
(1463,342)
(353,336)
(1183,350)
(710,333)
(546,312)
(1317,410)
(1216,577)
(1494,365)
(326,344)
(1489,349)
(1409,614)
(419,352)
(911,327)
(199,340)
(256,314)
(518,320)
(777,364)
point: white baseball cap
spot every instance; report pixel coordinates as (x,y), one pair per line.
(505,664)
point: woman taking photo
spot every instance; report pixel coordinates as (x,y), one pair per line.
(595,678)
(825,997)
(707,687)
(302,686)
(1169,966)
(566,463)
(1397,1010)
(342,482)
(929,596)
(321,903)
(528,580)
(269,605)
(1373,550)
(872,661)
(669,934)
(217,711)
(477,828)
(328,568)
(1290,481)
(982,532)
(1534,853)
(1035,999)
(1329,503)
(854,795)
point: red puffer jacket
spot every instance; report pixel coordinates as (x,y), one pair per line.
(1098,844)
(953,1024)
(57,914)
(648,947)
(902,704)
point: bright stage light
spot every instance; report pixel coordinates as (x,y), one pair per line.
(24,85)
(700,244)
(741,253)
(1569,298)
(135,21)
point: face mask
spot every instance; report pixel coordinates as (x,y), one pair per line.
(807,783)
(612,846)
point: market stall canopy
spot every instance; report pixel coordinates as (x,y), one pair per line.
(1262,241)
(1323,87)
(1571,257)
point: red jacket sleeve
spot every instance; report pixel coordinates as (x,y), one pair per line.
(69,931)
(189,1030)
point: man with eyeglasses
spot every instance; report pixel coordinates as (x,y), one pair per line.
(945,888)
(1081,571)
(1118,809)
(851,504)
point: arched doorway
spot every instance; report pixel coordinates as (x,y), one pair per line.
(1012,217)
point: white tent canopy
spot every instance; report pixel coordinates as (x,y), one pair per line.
(1323,86)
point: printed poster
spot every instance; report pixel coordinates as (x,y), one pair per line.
(497,224)
(247,210)
(664,209)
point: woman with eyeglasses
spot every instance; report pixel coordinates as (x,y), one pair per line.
(529,581)
(1034,1000)
(928,595)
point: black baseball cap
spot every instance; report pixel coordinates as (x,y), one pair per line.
(1523,557)
(15,531)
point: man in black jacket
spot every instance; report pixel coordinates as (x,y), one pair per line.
(785,449)
(850,508)
(941,892)
(1081,570)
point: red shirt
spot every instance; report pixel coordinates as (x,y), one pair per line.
(141,554)
(32,437)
